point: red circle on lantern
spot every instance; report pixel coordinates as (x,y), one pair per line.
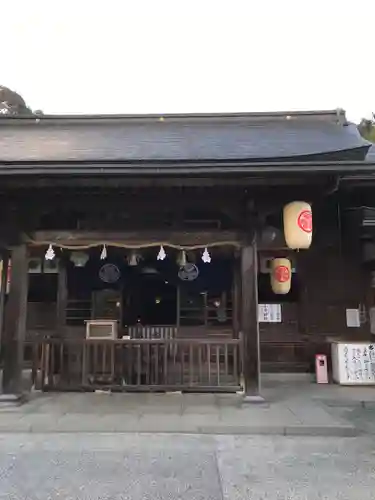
(282,274)
(305,221)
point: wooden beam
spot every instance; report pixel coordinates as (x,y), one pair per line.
(250,325)
(133,238)
(114,182)
(15,322)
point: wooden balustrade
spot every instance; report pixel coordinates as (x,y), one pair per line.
(138,364)
(152,332)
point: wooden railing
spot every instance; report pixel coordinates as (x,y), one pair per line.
(138,365)
(167,332)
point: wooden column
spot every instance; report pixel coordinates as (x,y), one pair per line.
(15,322)
(3,291)
(236,297)
(250,326)
(62,298)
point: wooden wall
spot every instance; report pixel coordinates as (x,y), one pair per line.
(331,282)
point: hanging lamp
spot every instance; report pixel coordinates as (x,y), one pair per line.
(133,259)
(298,225)
(281,276)
(182,261)
(79,259)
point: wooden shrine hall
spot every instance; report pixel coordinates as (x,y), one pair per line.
(178,252)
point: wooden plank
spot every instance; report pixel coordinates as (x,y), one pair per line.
(250,326)
(156,348)
(15,322)
(62,298)
(178,305)
(51,371)
(139,366)
(191,364)
(226,369)
(235,363)
(200,363)
(85,348)
(209,363)
(218,364)
(165,369)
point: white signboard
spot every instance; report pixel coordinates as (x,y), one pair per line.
(354,363)
(352,318)
(269,313)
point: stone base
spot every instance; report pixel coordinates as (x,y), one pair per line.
(15,399)
(254,399)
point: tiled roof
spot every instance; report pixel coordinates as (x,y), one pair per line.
(371,154)
(253,137)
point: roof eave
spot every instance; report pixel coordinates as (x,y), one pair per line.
(337,115)
(186,169)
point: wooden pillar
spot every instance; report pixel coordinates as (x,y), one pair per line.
(15,322)
(62,298)
(3,291)
(178,305)
(236,297)
(250,325)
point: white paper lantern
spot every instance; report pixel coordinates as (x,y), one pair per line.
(281,276)
(298,225)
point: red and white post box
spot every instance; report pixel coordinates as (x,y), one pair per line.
(321,369)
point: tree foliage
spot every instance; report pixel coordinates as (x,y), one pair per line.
(367,128)
(12,104)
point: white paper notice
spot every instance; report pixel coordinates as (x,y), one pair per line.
(352,318)
(269,313)
(357,363)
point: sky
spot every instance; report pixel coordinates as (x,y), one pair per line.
(175,56)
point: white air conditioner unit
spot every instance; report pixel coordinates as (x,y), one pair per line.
(101,329)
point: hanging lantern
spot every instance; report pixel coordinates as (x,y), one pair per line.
(79,259)
(281,276)
(161,255)
(133,259)
(50,253)
(298,225)
(181,261)
(103,255)
(206,257)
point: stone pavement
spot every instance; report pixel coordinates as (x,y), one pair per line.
(184,467)
(291,408)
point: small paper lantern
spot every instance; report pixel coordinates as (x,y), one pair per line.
(281,276)
(298,225)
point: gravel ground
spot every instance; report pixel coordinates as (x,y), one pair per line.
(185,467)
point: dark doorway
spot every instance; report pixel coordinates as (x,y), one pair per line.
(152,301)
